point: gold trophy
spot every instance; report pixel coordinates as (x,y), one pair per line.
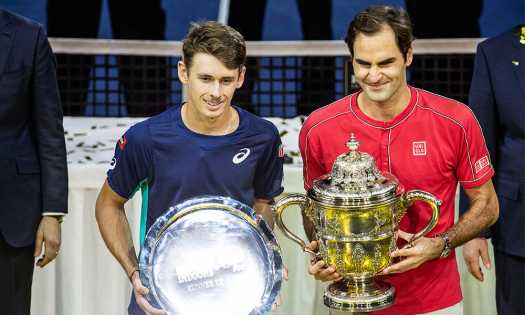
(356,211)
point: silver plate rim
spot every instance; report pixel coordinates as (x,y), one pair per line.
(227,204)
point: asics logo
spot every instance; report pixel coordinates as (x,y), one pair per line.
(239,157)
(113,163)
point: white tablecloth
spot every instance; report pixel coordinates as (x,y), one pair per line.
(85,279)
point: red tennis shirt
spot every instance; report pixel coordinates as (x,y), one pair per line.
(434,143)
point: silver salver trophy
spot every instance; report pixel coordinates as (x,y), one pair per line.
(211,255)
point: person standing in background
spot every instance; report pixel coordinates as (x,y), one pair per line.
(445,18)
(497,98)
(33,166)
(451,74)
(142,78)
(318,76)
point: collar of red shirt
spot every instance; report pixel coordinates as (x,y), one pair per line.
(380,124)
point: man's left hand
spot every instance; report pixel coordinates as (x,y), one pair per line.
(424,249)
(472,251)
(49,232)
(279,300)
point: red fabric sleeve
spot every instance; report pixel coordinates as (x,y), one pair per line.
(313,163)
(474,166)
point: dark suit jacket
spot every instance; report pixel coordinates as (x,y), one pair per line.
(33,167)
(497,97)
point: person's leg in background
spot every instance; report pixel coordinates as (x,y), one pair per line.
(445,18)
(16,278)
(247,18)
(142,77)
(510,283)
(318,74)
(73,19)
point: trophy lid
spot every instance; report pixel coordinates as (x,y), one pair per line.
(354,180)
(211,255)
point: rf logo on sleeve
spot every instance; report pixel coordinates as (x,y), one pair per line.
(239,157)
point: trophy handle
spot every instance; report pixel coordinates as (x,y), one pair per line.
(304,203)
(408,198)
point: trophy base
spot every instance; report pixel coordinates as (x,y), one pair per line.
(359,297)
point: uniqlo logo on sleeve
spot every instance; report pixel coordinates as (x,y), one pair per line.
(481,163)
(420,148)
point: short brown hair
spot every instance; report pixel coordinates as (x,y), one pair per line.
(215,39)
(371,21)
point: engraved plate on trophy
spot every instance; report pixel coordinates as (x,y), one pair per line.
(211,255)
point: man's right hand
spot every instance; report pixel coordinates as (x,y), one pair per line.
(140,290)
(319,271)
(472,250)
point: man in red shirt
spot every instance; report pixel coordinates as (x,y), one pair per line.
(427,141)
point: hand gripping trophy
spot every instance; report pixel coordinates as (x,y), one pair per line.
(356,211)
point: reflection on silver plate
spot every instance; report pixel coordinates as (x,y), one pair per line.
(211,255)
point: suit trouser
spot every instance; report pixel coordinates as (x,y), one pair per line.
(445,18)
(510,283)
(142,78)
(16,277)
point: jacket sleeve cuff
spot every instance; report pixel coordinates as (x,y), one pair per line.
(52,214)
(487,233)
